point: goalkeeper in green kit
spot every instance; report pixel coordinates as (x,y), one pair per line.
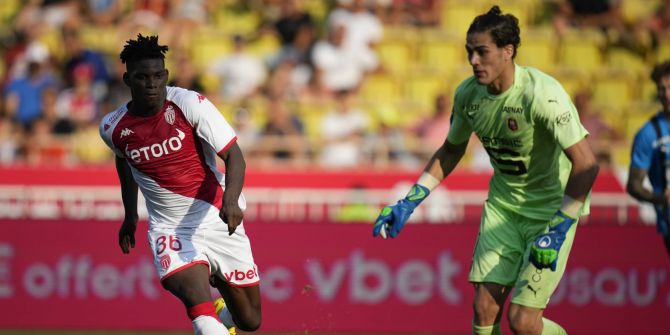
(543,173)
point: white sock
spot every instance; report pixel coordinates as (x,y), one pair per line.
(207,325)
(226,318)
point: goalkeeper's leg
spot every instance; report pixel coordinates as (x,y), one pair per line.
(488,307)
(529,320)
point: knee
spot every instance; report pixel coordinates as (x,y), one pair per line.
(523,323)
(248,321)
(486,311)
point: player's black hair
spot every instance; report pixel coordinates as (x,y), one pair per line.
(660,70)
(144,47)
(504,28)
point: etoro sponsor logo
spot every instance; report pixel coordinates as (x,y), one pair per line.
(156,150)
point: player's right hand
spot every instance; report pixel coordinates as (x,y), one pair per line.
(127,235)
(393,217)
(232,215)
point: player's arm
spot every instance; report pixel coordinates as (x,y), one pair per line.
(583,174)
(393,218)
(129,196)
(545,249)
(231,213)
(636,189)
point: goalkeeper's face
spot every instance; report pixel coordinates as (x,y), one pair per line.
(488,61)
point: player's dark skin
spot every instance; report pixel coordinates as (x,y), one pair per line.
(147,80)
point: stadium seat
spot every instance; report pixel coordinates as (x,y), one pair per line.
(457,16)
(236,22)
(612,89)
(637,115)
(395,55)
(647,88)
(627,61)
(208,45)
(8,9)
(580,50)
(571,81)
(380,87)
(265,45)
(423,88)
(663,51)
(538,49)
(636,10)
(442,53)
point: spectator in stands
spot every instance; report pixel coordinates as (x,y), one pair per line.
(283,135)
(657,24)
(10,141)
(24,95)
(388,144)
(601,134)
(102,12)
(603,14)
(364,29)
(41,146)
(77,107)
(43,15)
(187,77)
(422,13)
(342,132)
(297,32)
(650,156)
(338,68)
(76,54)
(432,130)
(240,73)
(247,132)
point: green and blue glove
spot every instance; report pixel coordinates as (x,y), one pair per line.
(544,252)
(393,217)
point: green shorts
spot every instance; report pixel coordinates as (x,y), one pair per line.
(501,256)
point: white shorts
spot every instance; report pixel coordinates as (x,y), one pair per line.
(228,257)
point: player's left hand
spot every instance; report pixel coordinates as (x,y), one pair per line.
(232,215)
(545,249)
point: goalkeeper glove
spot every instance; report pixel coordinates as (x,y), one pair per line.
(393,217)
(544,252)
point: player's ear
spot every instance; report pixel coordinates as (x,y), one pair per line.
(509,51)
(126,79)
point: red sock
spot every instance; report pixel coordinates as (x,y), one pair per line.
(206,308)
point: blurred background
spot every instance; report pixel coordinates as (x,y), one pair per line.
(337,106)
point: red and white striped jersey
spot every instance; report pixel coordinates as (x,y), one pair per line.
(172,155)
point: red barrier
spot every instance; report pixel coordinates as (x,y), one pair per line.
(106,175)
(323,277)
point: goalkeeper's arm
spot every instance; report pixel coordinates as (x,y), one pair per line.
(393,218)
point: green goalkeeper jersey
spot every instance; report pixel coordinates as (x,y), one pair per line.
(524,131)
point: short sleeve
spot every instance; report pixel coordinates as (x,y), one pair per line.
(554,110)
(209,123)
(642,150)
(460,129)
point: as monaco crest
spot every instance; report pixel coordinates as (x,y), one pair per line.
(169,115)
(165,261)
(512,124)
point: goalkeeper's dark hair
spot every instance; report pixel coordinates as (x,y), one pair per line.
(660,70)
(504,28)
(144,47)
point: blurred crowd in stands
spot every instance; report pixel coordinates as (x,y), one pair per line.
(305,83)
